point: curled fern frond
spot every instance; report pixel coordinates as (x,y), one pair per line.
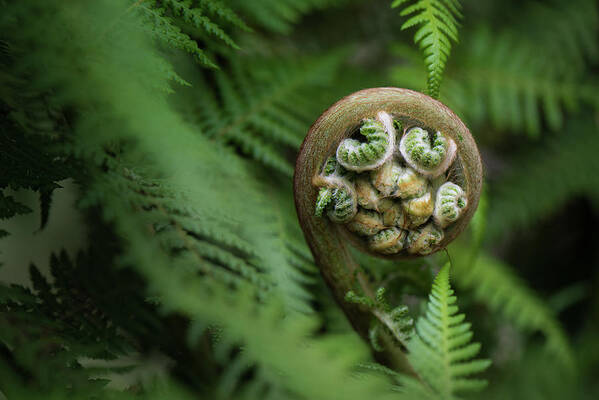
(394,321)
(449,204)
(441,350)
(438,26)
(378,148)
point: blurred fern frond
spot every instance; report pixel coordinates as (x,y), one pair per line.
(214,217)
(555,171)
(260,331)
(441,351)
(495,284)
(494,80)
(25,164)
(58,329)
(265,107)
(438,27)
(565,29)
(198,240)
(178,23)
(279,16)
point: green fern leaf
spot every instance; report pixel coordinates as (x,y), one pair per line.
(265,106)
(438,27)
(279,15)
(496,285)
(555,171)
(441,351)
(164,29)
(180,23)
(25,165)
(498,83)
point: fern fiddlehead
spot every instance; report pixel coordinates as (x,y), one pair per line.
(388,241)
(429,154)
(337,194)
(450,202)
(380,136)
(395,196)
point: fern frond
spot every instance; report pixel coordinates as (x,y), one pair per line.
(441,351)
(515,88)
(556,171)
(395,321)
(279,15)
(196,18)
(497,81)
(163,28)
(261,331)
(25,165)
(438,27)
(495,284)
(177,23)
(498,286)
(568,29)
(46,343)
(265,106)
(210,217)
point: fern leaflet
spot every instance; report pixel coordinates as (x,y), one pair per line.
(441,351)
(438,21)
(265,106)
(178,23)
(279,15)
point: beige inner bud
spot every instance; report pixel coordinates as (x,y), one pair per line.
(389,241)
(422,206)
(410,184)
(395,216)
(368,196)
(366,222)
(384,179)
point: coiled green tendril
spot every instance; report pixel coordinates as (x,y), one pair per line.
(378,148)
(388,241)
(337,196)
(423,240)
(449,205)
(429,154)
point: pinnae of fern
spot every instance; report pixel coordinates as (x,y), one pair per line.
(337,194)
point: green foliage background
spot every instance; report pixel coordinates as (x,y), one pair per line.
(179,122)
